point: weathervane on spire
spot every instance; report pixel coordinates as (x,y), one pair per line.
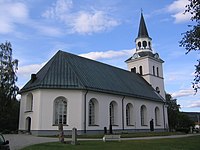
(141,10)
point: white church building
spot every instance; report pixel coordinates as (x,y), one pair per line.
(90,95)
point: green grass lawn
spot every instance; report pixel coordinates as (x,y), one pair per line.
(188,143)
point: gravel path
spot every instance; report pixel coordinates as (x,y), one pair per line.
(18,141)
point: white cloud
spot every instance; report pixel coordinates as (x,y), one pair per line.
(193,104)
(177,9)
(179,75)
(11,13)
(82,22)
(58,10)
(183,93)
(27,70)
(91,22)
(107,54)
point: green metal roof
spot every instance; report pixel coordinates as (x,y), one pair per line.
(68,71)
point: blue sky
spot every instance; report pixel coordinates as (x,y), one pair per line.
(103,30)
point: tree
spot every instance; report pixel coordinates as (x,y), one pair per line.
(191,38)
(178,121)
(173,111)
(184,122)
(9,106)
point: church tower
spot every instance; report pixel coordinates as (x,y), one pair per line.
(145,62)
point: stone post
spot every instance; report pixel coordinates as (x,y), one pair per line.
(61,133)
(191,131)
(74,136)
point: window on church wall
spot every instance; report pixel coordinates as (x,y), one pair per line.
(157,116)
(29,102)
(113,113)
(60,111)
(133,69)
(141,71)
(93,112)
(157,71)
(154,70)
(143,115)
(129,114)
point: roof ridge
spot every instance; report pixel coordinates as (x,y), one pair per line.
(73,70)
(52,61)
(96,61)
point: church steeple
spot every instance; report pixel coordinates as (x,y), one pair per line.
(143,41)
(142,29)
(145,62)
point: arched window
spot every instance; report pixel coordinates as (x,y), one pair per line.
(139,45)
(157,116)
(113,113)
(158,90)
(154,70)
(144,43)
(133,69)
(29,102)
(149,45)
(93,112)
(129,114)
(143,114)
(157,71)
(60,111)
(140,70)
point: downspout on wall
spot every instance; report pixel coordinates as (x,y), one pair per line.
(85,98)
(164,116)
(123,112)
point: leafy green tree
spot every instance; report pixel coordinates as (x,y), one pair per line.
(173,111)
(9,106)
(191,38)
(178,121)
(184,121)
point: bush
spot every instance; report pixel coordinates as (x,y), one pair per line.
(184,130)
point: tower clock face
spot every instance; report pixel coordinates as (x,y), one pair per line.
(135,55)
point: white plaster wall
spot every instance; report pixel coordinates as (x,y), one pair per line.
(34,115)
(21,113)
(43,100)
(156,82)
(74,108)
(137,63)
(147,66)
(150,105)
(104,101)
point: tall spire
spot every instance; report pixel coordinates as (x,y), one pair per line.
(143,41)
(142,33)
